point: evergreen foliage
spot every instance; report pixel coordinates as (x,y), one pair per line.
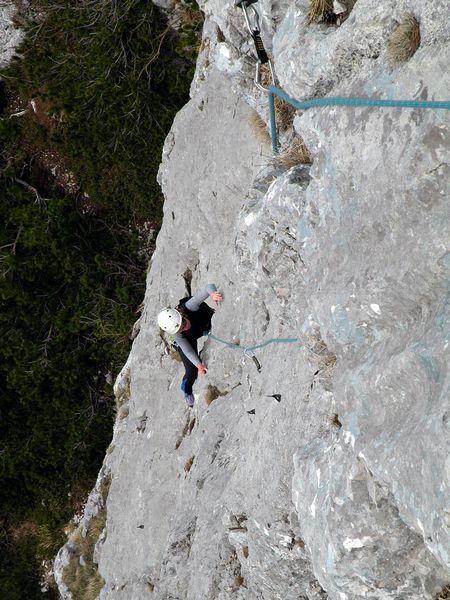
(112,75)
(109,73)
(68,284)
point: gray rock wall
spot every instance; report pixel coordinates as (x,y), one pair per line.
(340,489)
(10,36)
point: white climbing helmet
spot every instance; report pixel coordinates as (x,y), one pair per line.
(170,320)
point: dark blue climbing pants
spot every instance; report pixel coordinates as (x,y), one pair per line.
(191,373)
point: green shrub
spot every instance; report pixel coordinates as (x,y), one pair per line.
(108,72)
(188,20)
(108,80)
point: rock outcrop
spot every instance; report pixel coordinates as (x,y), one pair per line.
(10,35)
(326,474)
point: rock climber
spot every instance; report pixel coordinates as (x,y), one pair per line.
(188,322)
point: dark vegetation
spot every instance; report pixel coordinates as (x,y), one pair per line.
(443,594)
(77,185)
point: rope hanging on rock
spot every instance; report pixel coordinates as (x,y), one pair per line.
(249,350)
(261,58)
(273,90)
(370,102)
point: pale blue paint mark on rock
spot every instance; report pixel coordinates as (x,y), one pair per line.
(305,230)
(432,370)
(344,330)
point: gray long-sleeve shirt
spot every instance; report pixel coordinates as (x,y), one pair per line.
(193,305)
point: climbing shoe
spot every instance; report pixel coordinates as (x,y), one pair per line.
(189,400)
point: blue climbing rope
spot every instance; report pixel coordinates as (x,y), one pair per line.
(273,123)
(256,346)
(371,102)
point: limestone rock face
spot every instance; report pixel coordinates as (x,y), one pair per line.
(325,473)
(10,36)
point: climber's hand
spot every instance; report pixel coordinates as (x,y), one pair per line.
(217,297)
(202,370)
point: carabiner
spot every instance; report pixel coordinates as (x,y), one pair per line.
(250,354)
(254,29)
(240,3)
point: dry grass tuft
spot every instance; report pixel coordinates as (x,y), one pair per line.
(296,154)
(326,360)
(191,426)
(266,75)
(316,10)
(69,528)
(404,41)
(188,464)
(334,420)
(94,587)
(123,413)
(175,355)
(284,113)
(81,576)
(259,127)
(212,393)
(444,594)
(187,276)
(105,487)
(122,389)
(187,430)
(76,536)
